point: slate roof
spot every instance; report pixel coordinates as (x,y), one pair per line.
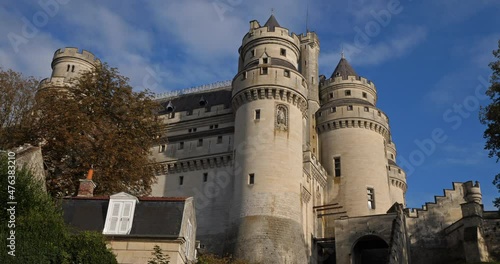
(343,69)
(153,216)
(191,101)
(272,23)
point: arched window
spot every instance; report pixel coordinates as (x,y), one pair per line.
(370,249)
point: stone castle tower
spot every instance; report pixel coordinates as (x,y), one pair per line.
(67,64)
(269,98)
(287,166)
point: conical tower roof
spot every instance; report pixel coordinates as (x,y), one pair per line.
(343,69)
(272,23)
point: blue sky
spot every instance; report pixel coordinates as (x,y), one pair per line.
(428,60)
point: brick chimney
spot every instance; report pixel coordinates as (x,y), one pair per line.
(86,188)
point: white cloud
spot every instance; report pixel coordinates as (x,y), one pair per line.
(398,45)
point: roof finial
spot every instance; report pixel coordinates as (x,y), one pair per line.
(272,11)
(342,53)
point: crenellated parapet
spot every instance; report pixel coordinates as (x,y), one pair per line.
(397,177)
(75,53)
(353,87)
(473,192)
(271,41)
(253,84)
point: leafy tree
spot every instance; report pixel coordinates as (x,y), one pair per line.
(159,257)
(41,236)
(490,116)
(213,259)
(17,96)
(97,121)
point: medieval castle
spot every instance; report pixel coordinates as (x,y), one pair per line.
(289,166)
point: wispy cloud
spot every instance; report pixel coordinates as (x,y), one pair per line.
(395,46)
(467,154)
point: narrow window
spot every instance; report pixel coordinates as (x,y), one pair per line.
(333,109)
(68,68)
(264,71)
(219,139)
(73,68)
(379,114)
(181,145)
(205,177)
(331,95)
(319,113)
(252,53)
(283,52)
(286,73)
(349,108)
(216,126)
(190,130)
(171,115)
(364,95)
(251,178)
(265,60)
(181,180)
(347,92)
(162,149)
(336,165)
(200,142)
(244,75)
(366,109)
(392,156)
(257,114)
(371,198)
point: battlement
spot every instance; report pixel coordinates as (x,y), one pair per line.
(449,202)
(256,34)
(308,37)
(350,80)
(76,53)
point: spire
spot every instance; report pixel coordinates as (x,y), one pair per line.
(343,69)
(272,23)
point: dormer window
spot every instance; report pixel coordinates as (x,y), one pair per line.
(265,60)
(120,215)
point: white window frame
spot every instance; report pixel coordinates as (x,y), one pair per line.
(120,214)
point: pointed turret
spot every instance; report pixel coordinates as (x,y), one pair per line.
(272,23)
(343,69)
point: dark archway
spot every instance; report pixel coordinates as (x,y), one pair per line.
(370,250)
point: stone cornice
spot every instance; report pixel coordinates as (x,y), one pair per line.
(354,123)
(196,163)
(274,93)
